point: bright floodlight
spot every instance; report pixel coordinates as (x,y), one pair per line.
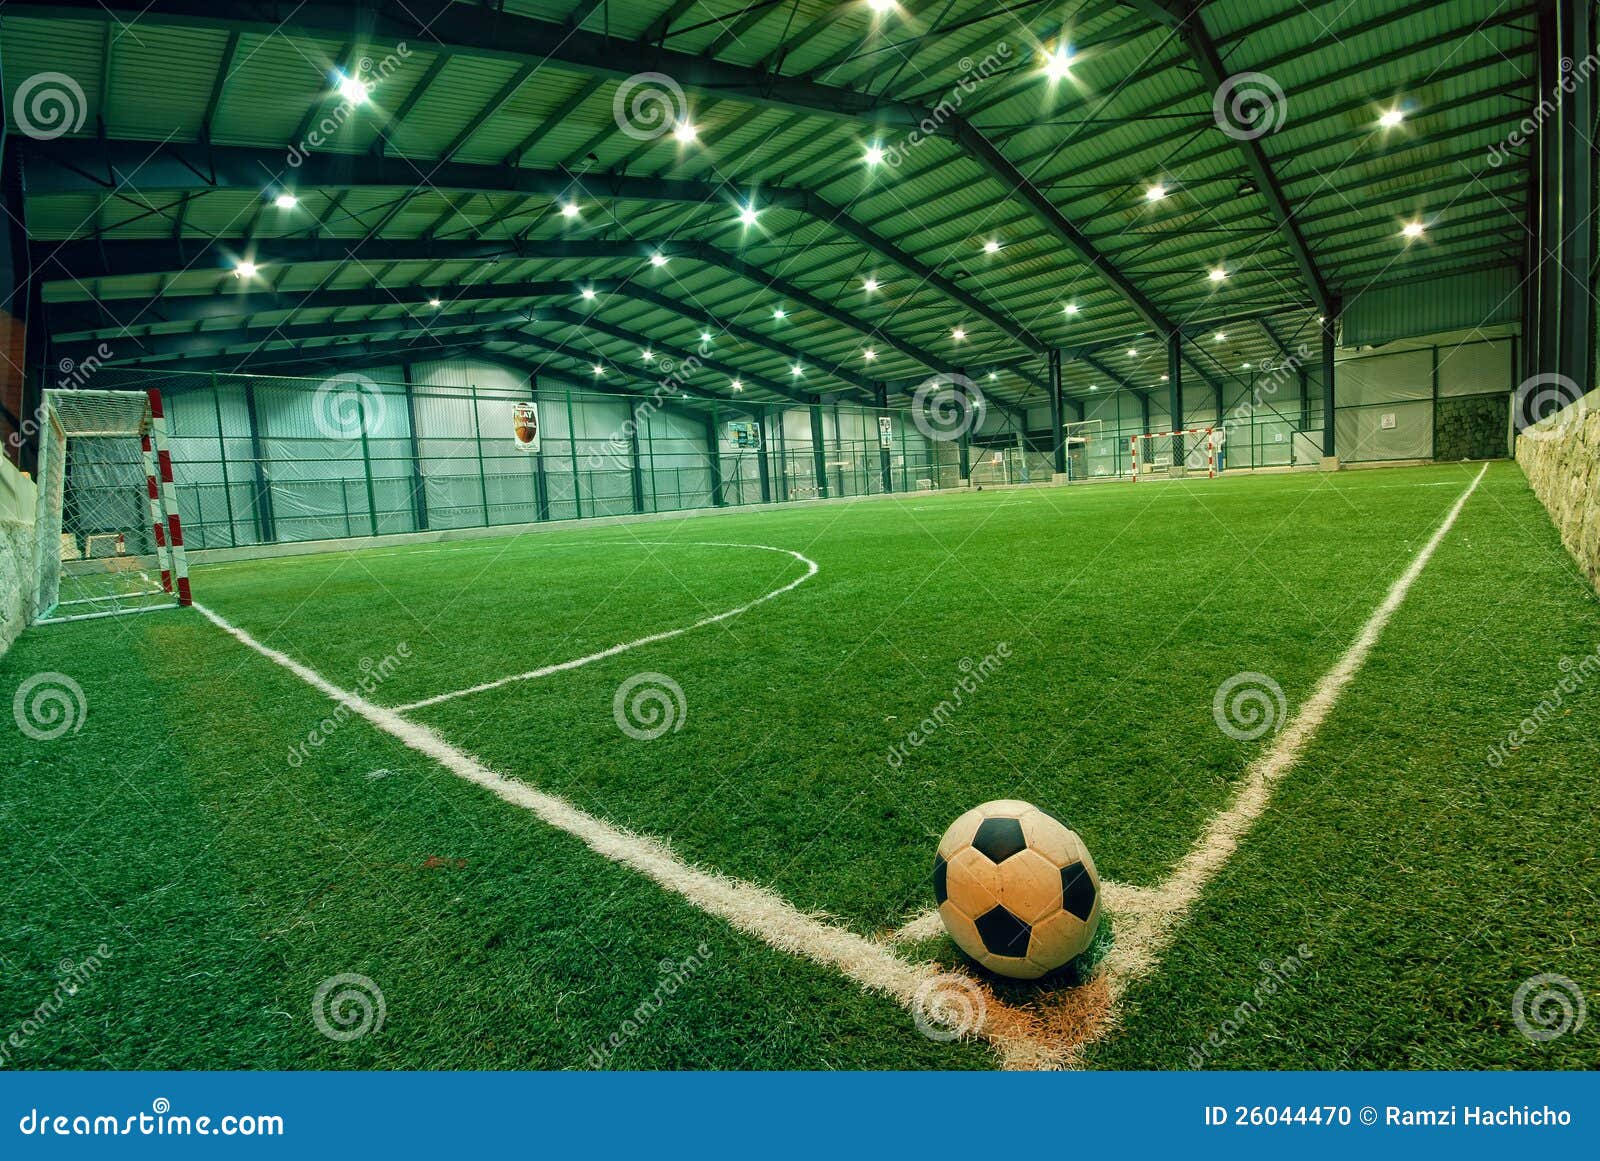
(599,370)
(1058,64)
(705,336)
(1412,229)
(286,201)
(737,385)
(648,355)
(1222,336)
(244,269)
(881,5)
(1155,193)
(779,313)
(958,334)
(684,131)
(991,247)
(587,293)
(748,215)
(874,154)
(435,303)
(1133,352)
(658,259)
(797,370)
(1391,118)
(1071,308)
(870,285)
(353,89)
(569,209)
(1217,274)
(869,354)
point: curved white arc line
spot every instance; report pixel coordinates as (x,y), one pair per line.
(578,662)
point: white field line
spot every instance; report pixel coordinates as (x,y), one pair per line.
(577,662)
(746,906)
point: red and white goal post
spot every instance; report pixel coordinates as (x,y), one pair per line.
(110,539)
(1174,455)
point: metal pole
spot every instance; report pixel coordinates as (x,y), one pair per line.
(764,418)
(818,455)
(1058,427)
(714,457)
(636,472)
(222,459)
(1175,393)
(266,526)
(1329,322)
(572,448)
(881,391)
(419,492)
(477,443)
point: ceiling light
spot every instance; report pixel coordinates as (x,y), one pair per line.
(286,201)
(778,313)
(870,285)
(1164,378)
(435,303)
(648,355)
(881,6)
(1058,64)
(244,269)
(737,385)
(1133,352)
(1222,336)
(1244,366)
(797,370)
(1071,308)
(658,259)
(874,154)
(1217,274)
(993,375)
(599,370)
(1391,118)
(1412,229)
(1155,193)
(747,215)
(991,247)
(353,89)
(958,334)
(705,336)
(869,354)
(587,292)
(569,209)
(684,131)
(1094,386)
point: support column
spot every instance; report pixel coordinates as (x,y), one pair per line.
(1058,427)
(714,457)
(1175,394)
(541,482)
(1576,358)
(963,442)
(266,526)
(763,468)
(1330,321)
(635,469)
(885,466)
(419,493)
(819,457)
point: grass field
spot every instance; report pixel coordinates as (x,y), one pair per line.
(227,867)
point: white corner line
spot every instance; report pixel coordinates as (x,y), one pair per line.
(578,662)
(748,907)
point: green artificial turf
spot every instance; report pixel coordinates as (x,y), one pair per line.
(229,880)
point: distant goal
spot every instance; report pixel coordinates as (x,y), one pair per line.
(110,540)
(1175,455)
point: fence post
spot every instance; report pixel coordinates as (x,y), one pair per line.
(261,502)
(714,458)
(572,449)
(366,464)
(819,456)
(477,444)
(419,491)
(222,459)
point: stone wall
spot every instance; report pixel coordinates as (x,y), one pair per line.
(1561,458)
(1471,427)
(16,552)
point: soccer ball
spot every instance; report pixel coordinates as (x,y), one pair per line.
(1016,889)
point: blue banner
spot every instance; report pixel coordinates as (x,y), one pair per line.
(970,1117)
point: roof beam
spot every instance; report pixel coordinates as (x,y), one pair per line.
(119,168)
(464,28)
(365,350)
(86,259)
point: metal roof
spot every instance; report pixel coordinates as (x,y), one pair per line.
(132,209)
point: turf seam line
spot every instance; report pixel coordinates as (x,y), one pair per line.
(651,639)
(746,906)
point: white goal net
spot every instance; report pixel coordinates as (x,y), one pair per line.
(109,537)
(1176,455)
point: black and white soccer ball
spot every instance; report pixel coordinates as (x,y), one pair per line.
(1017,889)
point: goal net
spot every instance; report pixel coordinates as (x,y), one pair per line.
(109,538)
(1078,438)
(1177,455)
